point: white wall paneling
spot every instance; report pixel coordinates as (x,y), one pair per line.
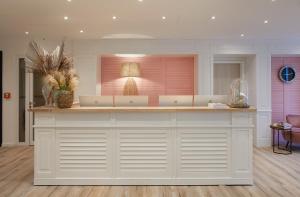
(263,136)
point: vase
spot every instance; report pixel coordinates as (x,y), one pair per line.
(64,98)
(47,92)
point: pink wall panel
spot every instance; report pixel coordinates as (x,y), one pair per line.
(285,97)
(159,76)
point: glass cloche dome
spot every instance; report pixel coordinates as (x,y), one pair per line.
(239,94)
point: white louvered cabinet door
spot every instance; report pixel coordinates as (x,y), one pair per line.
(203,152)
(83,153)
(144,153)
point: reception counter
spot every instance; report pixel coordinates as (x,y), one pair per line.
(143,146)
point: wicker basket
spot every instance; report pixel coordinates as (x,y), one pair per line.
(64,99)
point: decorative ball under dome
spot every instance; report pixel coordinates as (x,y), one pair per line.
(239,94)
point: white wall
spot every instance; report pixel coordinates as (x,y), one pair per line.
(86,56)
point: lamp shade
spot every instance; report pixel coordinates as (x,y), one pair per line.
(130,69)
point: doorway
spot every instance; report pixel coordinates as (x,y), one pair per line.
(224,73)
(33,98)
(22,103)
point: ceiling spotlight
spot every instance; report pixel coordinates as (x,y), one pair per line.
(266,21)
(81,31)
(164,18)
(114,17)
(213,18)
(26,32)
(140,0)
(242,35)
(69,0)
(66,18)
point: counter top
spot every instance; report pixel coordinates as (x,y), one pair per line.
(77,108)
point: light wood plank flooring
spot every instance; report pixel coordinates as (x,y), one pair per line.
(274,175)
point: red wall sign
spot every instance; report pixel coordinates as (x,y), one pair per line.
(7,95)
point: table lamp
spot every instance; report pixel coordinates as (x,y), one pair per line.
(130,70)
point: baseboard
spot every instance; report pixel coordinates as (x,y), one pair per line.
(141,181)
(8,144)
(13,144)
(264,142)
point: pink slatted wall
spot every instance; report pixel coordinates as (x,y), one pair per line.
(159,76)
(285,97)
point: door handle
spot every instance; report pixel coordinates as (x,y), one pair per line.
(30,105)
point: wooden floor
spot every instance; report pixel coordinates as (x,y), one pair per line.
(274,175)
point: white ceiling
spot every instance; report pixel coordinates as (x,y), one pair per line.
(185,18)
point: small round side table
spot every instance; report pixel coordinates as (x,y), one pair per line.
(287,149)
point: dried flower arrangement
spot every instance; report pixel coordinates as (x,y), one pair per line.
(63,80)
(57,69)
(40,61)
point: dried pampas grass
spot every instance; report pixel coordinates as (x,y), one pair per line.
(40,61)
(56,67)
(63,80)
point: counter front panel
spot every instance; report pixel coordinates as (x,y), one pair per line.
(143,147)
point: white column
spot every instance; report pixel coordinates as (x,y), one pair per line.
(86,67)
(264,108)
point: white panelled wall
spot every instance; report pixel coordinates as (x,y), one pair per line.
(86,55)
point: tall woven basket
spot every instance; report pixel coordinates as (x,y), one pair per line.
(64,99)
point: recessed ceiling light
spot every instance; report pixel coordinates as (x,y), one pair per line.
(140,0)
(242,35)
(26,32)
(213,18)
(266,21)
(81,31)
(66,18)
(114,18)
(69,0)
(164,17)
(130,55)
(273,0)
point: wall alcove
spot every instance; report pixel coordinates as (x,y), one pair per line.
(160,75)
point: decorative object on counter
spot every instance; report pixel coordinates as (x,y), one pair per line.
(38,60)
(64,98)
(130,70)
(239,94)
(64,84)
(47,94)
(287,74)
(217,105)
